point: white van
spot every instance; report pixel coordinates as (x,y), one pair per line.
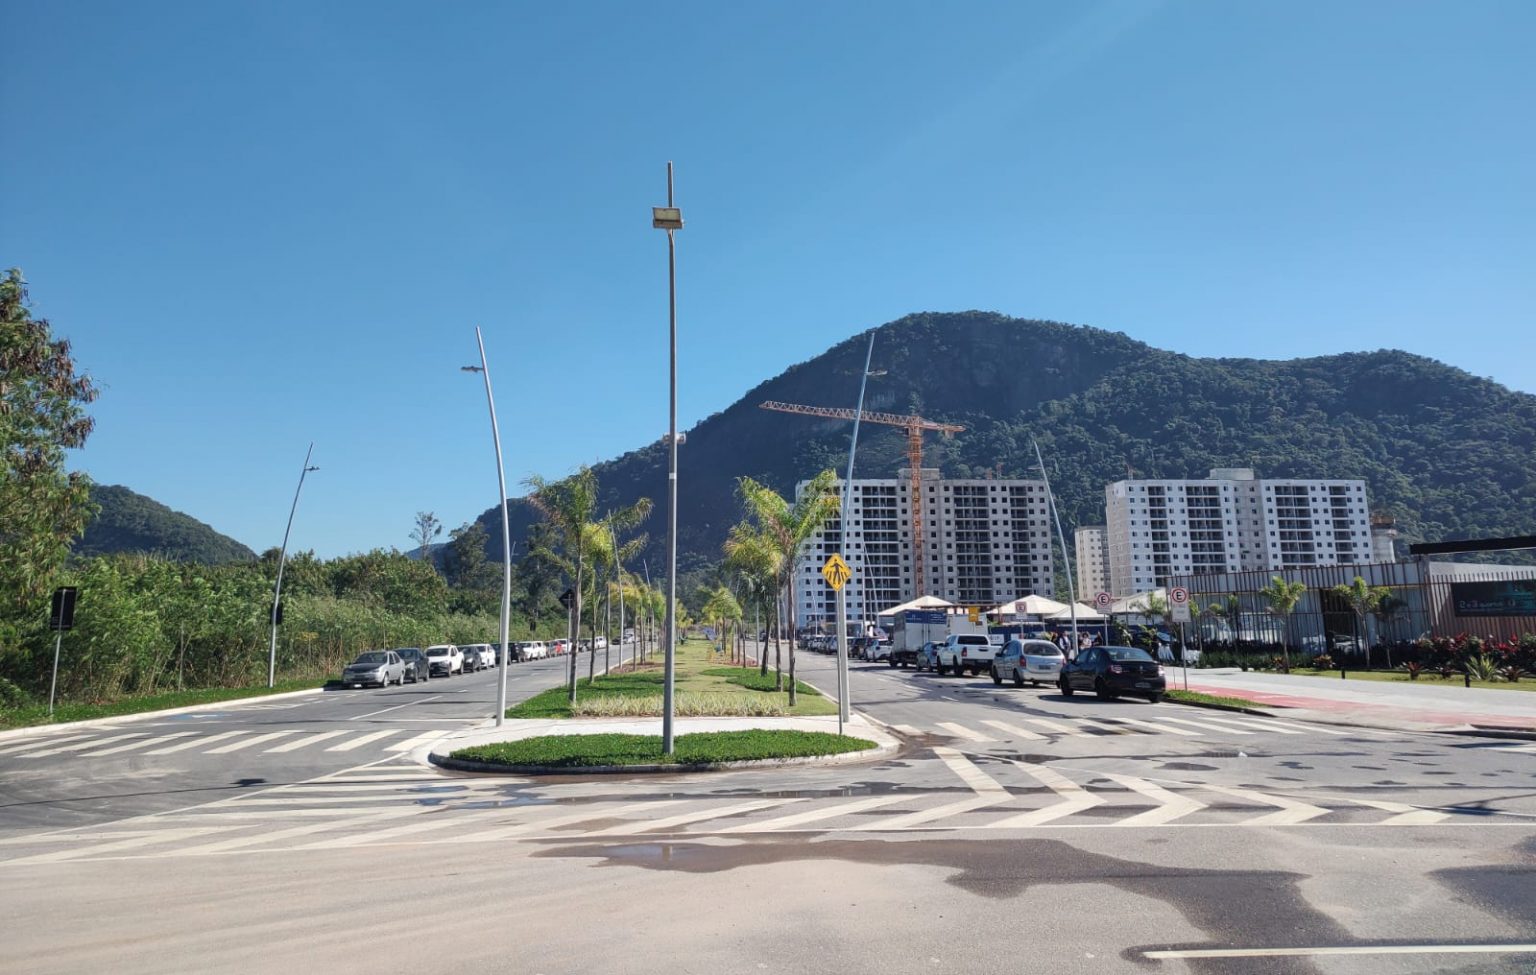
(535,650)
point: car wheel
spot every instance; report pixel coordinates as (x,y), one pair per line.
(1018,679)
(1102,690)
(996,677)
(891,661)
(1066,688)
(1154,698)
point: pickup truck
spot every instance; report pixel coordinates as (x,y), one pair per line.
(963,652)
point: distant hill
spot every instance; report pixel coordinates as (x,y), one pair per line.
(1449,454)
(131,522)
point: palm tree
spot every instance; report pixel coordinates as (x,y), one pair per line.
(1282,597)
(722,609)
(601,536)
(568,505)
(786,528)
(752,558)
(1363,599)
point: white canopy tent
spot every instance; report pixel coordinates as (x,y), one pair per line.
(1085,614)
(921,602)
(1030,605)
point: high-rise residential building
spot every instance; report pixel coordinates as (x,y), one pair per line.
(1092,545)
(984,542)
(1231,521)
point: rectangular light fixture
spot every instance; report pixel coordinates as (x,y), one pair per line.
(666,218)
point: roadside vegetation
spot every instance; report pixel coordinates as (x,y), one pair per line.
(1196,697)
(705,748)
(702,688)
(35,714)
(1429,678)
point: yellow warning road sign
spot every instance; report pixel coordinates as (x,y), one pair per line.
(836,571)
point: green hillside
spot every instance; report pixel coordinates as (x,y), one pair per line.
(1449,454)
(131,522)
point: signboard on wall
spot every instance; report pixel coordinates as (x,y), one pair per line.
(1501,597)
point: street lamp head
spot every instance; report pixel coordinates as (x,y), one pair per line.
(875,372)
(470,369)
(308,469)
(666,218)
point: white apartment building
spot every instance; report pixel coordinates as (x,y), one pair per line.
(1092,545)
(985,542)
(1230,522)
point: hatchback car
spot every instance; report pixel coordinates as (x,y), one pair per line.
(1112,671)
(445,659)
(928,657)
(1036,661)
(416,666)
(381,667)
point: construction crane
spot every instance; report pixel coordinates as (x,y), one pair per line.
(915,426)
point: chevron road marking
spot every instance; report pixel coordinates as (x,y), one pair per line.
(1407,815)
(1074,799)
(1170,805)
(1014,730)
(907,729)
(1292,811)
(980,782)
(596,811)
(304,742)
(697,815)
(135,744)
(78,852)
(961,731)
(207,740)
(815,815)
(82,745)
(361,823)
(988,793)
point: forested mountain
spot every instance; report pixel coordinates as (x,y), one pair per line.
(1449,454)
(131,522)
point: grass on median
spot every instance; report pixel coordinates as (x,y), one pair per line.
(1428,678)
(702,688)
(37,714)
(1196,697)
(705,748)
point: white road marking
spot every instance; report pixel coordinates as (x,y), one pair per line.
(1206,726)
(137,744)
(304,742)
(1170,805)
(1292,811)
(1515,949)
(1251,723)
(1406,815)
(1074,799)
(260,839)
(961,731)
(410,743)
(1058,728)
(1089,722)
(980,782)
(698,815)
(1014,731)
(907,729)
(205,740)
(82,745)
(929,815)
(1163,728)
(362,740)
(816,815)
(398,707)
(16,749)
(81,852)
(236,746)
(595,811)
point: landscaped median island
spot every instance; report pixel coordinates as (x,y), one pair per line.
(703,748)
(702,688)
(1216,700)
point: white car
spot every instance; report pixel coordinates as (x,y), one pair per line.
(879,650)
(445,659)
(535,650)
(963,652)
(600,643)
(1036,661)
(479,656)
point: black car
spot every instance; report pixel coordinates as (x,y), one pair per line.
(1112,671)
(416,667)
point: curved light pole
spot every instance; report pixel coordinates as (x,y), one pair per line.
(506,532)
(844,713)
(282,558)
(670,219)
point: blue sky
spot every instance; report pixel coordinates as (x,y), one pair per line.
(269,223)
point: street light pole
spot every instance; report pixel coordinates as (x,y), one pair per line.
(844,713)
(506,533)
(1050,500)
(670,219)
(282,558)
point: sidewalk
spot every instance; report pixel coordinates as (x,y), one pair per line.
(1422,705)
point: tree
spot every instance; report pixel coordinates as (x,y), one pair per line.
(1363,599)
(427,528)
(42,414)
(722,609)
(752,559)
(1390,607)
(567,505)
(786,528)
(1282,598)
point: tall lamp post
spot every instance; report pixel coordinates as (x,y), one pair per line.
(844,713)
(282,558)
(670,219)
(506,533)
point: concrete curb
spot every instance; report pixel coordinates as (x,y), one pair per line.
(845,758)
(119,719)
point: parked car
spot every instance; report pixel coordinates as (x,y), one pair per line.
(928,657)
(416,666)
(533,650)
(1112,671)
(878,650)
(1036,661)
(600,643)
(481,654)
(962,652)
(445,659)
(381,667)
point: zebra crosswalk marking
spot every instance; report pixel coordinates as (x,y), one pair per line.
(1250,723)
(698,815)
(138,842)
(304,742)
(795,820)
(17,749)
(361,740)
(1089,723)
(1318,729)
(193,743)
(907,729)
(1206,726)
(82,745)
(1162,728)
(277,836)
(1014,730)
(115,749)
(961,731)
(244,743)
(410,743)
(1060,729)
(595,812)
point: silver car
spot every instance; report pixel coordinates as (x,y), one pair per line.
(1035,661)
(381,667)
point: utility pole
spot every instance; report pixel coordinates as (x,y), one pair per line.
(670,219)
(282,558)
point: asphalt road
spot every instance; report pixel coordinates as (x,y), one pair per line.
(1015,831)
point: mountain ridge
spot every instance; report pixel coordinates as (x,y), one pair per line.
(131,522)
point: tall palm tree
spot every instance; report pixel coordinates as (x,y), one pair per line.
(568,506)
(787,527)
(1363,598)
(722,609)
(755,562)
(1282,597)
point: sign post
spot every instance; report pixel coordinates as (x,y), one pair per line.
(837,574)
(1178,605)
(61,617)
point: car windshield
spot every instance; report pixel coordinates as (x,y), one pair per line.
(377,657)
(438,652)
(1042,649)
(1127,653)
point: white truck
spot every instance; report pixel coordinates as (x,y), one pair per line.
(962,652)
(911,630)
